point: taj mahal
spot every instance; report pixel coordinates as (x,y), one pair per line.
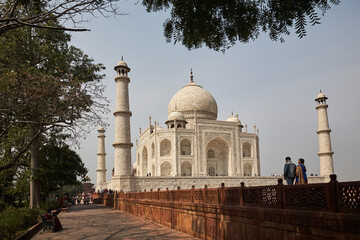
(195,148)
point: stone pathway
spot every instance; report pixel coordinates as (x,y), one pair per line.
(96,221)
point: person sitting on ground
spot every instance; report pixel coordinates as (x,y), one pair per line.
(51,217)
(301,177)
(57,224)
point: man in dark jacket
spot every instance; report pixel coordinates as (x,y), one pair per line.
(289,171)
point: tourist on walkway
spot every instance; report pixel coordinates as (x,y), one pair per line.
(289,171)
(301,177)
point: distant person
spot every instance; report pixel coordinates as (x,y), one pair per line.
(289,171)
(301,177)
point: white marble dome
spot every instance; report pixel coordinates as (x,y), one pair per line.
(193,97)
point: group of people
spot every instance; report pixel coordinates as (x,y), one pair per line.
(295,173)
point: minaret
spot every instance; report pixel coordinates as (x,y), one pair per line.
(325,151)
(122,144)
(101,167)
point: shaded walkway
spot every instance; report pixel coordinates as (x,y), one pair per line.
(99,222)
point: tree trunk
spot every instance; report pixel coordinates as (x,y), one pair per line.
(35,164)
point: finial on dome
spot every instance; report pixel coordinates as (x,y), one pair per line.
(122,58)
(191,76)
(232,113)
(320,91)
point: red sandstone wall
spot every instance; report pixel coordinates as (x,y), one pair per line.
(313,211)
(224,222)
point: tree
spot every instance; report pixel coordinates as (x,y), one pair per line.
(42,13)
(59,166)
(46,83)
(220,24)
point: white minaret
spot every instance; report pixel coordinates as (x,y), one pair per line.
(122,144)
(325,151)
(101,167)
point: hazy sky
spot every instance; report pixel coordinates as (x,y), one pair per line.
(270,84)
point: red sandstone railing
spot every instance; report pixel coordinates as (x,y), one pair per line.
(330,197)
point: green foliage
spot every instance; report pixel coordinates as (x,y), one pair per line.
(59,166)
(219,24)
(13,219)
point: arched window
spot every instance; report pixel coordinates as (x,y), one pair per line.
(165,169)
(211,154)
(247,149)
(165,148)
(186,169)
(179,125)
(185,147)
(172,126)
(152,150)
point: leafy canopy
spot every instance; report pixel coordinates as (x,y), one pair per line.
(220,24)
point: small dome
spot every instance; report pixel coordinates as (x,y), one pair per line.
(320,96)
(101,130)
(233,118)
(159,128)
(178,116)
(121,63)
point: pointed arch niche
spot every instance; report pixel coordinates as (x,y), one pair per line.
(246,149)
(144,161)
(165,147)
(186,169)
(247,169)
(165,169)
(218,152)
(185,147)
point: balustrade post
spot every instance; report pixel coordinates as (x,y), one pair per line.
(331,194)
(241,193)
(177,194)
(205,194)
(280,193)
(222,193)
(167,195)
(192,193)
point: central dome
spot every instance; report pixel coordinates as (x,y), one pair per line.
(193,97)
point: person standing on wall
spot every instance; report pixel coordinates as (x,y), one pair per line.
(301,177)
(289,171)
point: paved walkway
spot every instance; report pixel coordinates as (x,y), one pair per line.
(99,222)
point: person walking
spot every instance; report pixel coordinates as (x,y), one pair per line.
(289,171)
(301,177)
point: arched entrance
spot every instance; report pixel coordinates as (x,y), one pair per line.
(217,152)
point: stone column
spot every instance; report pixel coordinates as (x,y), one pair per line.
(325,151)
(101,167)
(122,145)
